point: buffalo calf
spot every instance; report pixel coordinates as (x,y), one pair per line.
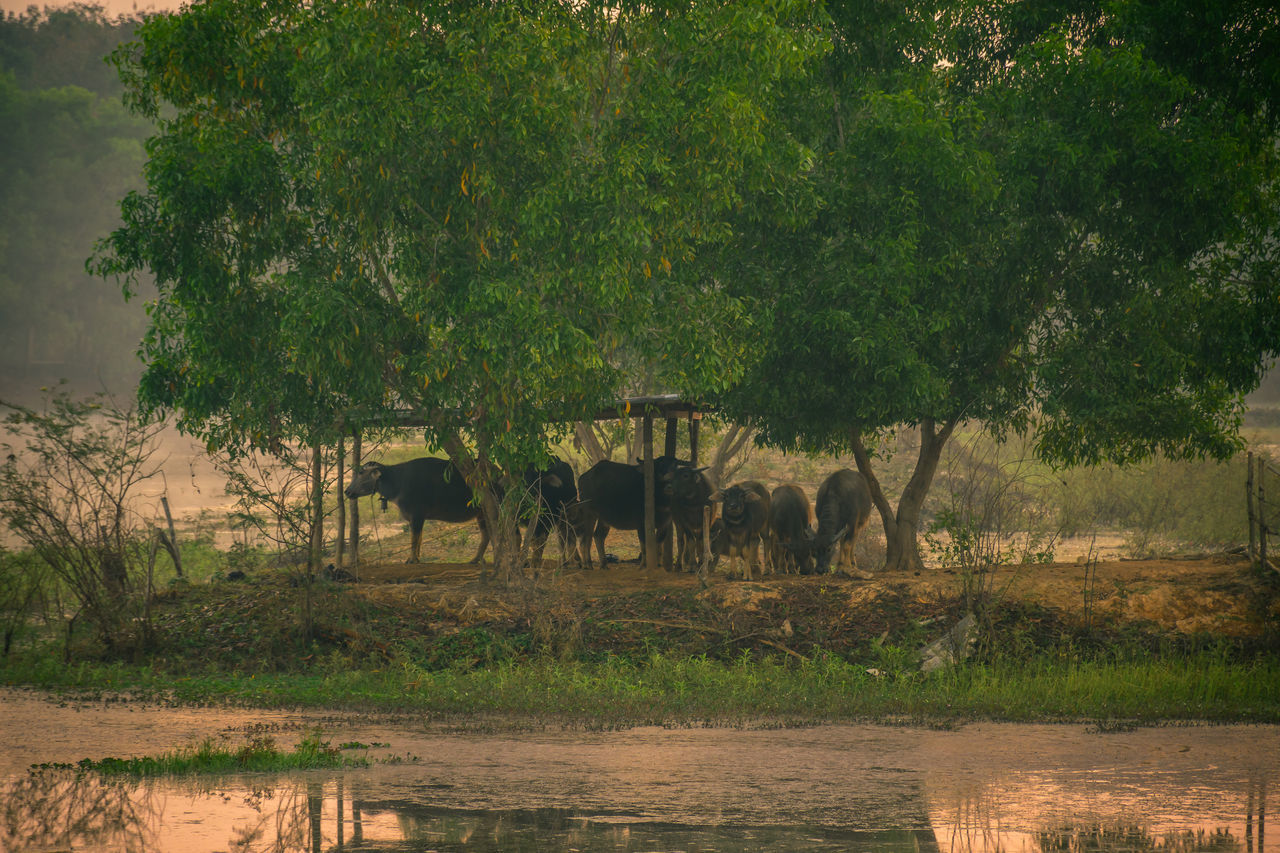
(743,522)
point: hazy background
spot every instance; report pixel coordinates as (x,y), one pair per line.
(112,8)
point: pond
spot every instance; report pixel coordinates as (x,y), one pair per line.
(979,787)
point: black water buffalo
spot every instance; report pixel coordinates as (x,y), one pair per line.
(744,518)
(843,509)
(790,529)
(553,490)
(611,495)
(421,488)
(690,495)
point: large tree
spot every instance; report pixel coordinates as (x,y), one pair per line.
(481,212)
(1059,216)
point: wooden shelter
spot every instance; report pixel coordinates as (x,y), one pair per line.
(667,407)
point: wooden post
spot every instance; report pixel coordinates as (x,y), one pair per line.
(342,504)
(668,562)
(317,509)
(695,418)
(355,506)
(1253,517)
(650,511)
(172,545)
(1263,530)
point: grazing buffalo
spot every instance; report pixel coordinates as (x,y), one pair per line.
(844,507)
(743,522)
(551,491)
(612,495)
(790,529)
(690,495)
(421,488)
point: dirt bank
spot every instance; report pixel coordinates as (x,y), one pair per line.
(1220,594)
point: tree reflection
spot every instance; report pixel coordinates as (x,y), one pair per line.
(69,808)
(283,822)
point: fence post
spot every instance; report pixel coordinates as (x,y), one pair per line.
(1253,516)
(1263,531)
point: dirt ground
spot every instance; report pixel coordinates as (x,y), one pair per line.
(1216,594)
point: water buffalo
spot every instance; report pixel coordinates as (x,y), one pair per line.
(421,488)
(790,529)
(743,522)
(554,491)
(690,495)
(612,495)
(844,507)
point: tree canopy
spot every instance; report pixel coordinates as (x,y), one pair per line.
(1059,216)
(485,213)
(834,220)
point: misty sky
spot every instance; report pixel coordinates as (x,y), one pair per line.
(112,7)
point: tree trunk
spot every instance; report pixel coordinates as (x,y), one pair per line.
(902,526)
(499,515)
(317,537)
(734,443)
(589,443)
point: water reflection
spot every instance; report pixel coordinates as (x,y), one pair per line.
(983,788)
(71,809)
(64,809)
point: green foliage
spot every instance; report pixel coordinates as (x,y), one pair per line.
(1022,215)
(677,690)
(259,755)
(494,223)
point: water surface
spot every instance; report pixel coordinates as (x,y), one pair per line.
(981,787)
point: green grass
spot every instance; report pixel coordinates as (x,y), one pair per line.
(693,690)
(260,755)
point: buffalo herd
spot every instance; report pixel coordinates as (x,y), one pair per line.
(743,517)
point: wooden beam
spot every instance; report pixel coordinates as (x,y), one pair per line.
(661,405)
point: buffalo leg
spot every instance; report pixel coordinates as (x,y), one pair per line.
(600,534)
(846,554)
(415,541)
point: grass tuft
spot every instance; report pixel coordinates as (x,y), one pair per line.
(259,755)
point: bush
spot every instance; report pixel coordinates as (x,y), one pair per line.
(68,490)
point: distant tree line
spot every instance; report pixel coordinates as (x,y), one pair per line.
(70,152)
